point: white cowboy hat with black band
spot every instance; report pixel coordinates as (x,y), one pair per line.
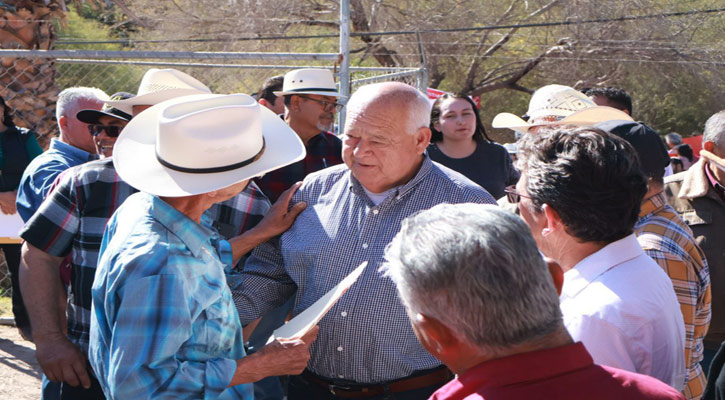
(159,85)
(201,143)
(559,105)
(309,81)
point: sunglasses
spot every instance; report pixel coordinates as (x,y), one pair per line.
(111,130)
(326,105)
(512,195)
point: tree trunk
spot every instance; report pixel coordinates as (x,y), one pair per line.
(28,84)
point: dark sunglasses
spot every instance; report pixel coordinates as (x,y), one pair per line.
(326,105)
(111,130)
(512,195)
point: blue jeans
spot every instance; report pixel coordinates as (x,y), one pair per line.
(270,388)
(50,390)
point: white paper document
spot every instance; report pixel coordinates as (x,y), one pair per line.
(306,320)
(10,226)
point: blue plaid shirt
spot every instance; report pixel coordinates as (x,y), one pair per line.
(366,337)
(163,321)
(42,171)
(73,217)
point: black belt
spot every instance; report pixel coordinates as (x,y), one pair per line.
(436,376)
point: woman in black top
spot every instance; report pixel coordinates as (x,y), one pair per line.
(460,143)
(18,147)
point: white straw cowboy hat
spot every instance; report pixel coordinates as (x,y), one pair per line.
(559,105)
(309,81)
(159,85)
(200,143)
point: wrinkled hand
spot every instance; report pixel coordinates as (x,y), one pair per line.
(62,361)
(7,202)
(281,357)
(280,217)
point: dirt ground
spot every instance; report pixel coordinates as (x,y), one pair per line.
(19,372)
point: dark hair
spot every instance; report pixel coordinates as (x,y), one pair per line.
(590,177)
(7,116)
(271,85)
(616,96)
(685,150)
(435,115)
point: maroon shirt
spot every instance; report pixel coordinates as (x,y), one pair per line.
(561,373)
(323,150)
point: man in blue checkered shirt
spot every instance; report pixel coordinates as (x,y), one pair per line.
(365,347)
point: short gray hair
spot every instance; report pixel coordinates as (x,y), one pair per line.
(415,102)
(715,130)
(476,269)
(68,99)
(673,138)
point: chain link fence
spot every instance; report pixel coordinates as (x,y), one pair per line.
(31,80)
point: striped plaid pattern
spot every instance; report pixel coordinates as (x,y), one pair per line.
(323,150)
(669,241)
(164,323)
(366,337)
(72,219)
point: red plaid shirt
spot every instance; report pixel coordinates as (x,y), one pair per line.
(323,150)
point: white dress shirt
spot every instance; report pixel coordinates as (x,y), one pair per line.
(622,306)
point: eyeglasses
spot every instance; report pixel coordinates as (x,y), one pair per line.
(111,130)
(512,195)
(326,105)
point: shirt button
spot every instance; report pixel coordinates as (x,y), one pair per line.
(364,245)
(376,211)
(344,313)
(339,348)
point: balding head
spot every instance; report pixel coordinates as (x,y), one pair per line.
(386,134)
(397,100)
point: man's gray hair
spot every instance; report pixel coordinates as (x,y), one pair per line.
(476,269)
(409,98)
(715,130)
(673,138)
(68,100)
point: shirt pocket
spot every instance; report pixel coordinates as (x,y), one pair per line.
(217,331)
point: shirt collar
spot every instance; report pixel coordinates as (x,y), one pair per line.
(719,189)
(425,168)
(193,235)
(590,268)
(72,151)
(653,205)
(540,365)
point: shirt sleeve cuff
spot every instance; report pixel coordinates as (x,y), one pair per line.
(219,374)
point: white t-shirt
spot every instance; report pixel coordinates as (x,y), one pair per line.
(622,306)
(378,198)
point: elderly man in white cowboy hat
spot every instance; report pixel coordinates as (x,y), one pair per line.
(310,99)
(558,105)
(71,221)
(163,321)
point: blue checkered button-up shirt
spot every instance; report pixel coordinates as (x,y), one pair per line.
(163,323)
(72,219)
(366,337)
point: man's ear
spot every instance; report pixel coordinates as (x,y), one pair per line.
(63,123)
(553,220)
(422,139)
(433,335)
(709,146)
(263,102)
